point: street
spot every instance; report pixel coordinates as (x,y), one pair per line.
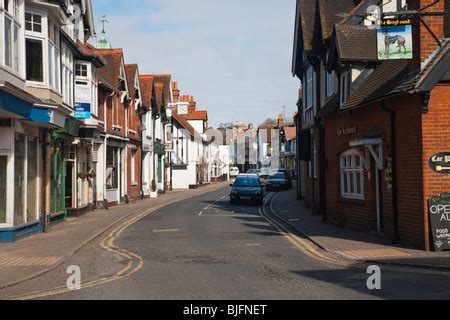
(204,248)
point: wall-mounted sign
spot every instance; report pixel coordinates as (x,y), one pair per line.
(394,37)
(439,209)
(440,163)
(82,100)
(347,131)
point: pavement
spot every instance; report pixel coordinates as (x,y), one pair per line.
(349,244)
(39,254)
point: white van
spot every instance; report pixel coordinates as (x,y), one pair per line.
(234,172)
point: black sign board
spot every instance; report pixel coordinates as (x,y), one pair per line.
(439,209)
(441,163)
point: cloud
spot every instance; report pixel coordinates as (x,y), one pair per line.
(234,56)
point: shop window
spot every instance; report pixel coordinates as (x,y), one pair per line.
(19,179)
(111,168)
(35,70)
(32,174)
(352,175)
(3,187)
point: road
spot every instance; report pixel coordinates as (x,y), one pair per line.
(204,248)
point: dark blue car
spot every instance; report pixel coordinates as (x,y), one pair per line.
(247,188)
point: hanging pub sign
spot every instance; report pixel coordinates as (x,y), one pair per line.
(439,209)
(440,163)
(394,38)
(82,100)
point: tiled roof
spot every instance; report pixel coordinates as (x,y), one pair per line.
(131,71)
(332,12)
(197,115)
(111,72)
(330,106)
(159,89)
(291,133)
(146,90)
(184,123)
(307,15)
(356,43)
(381,82)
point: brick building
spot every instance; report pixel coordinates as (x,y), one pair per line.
(370,127)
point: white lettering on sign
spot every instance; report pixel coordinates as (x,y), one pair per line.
(442,210)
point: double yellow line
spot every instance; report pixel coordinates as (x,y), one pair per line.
(306,247)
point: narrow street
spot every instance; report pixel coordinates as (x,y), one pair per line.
(204,248)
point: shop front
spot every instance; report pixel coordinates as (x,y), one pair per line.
(20,163)
(115,171)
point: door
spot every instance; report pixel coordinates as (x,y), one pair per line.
(3,163)
(160,170)
(69,184)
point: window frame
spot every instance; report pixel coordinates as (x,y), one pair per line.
(344,87)
(13,15)
(330,83)
(349,170)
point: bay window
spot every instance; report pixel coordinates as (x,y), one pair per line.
(352,175)
(34,45)
(11,34)
(54,55)
(67,76)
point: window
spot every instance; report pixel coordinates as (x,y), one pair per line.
(344,87)
(94,91)
(12,27)
(34,60)
(54,59)
(111,168)
(33,22)
(352,175)
(133,167)
(67,76)
(309,88)
(313,163)
(330,83)
(81,70)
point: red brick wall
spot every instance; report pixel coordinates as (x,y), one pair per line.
(436,138)
(120,108)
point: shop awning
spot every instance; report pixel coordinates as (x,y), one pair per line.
(14,107)
(47,117)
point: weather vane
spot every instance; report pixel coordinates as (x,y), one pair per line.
(103,20)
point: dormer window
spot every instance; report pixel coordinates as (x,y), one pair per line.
(344,87)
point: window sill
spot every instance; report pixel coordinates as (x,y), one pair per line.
(354,201)
(117,128)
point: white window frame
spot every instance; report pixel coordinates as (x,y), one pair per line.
(344,87)
(14,15)
(133,166)
(43,38)
(54,57)
(315,154)
(309,88)
(349,171)
(68,81)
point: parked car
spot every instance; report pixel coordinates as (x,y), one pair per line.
(247,188)
(234,172)
(279,181)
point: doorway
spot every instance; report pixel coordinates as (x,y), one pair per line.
(69,184)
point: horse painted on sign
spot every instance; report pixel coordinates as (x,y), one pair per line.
(390,40)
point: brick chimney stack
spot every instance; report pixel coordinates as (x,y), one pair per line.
(280,121)
(176,92)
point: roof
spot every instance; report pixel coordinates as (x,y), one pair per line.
(197,115)
(380,83)
(330,106)
(184,123)
(131,70)
(111,72)
(146,90)
(306,10)
(349,40)
(291,133)
(332,12)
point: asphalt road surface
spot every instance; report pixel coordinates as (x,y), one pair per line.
(204,248)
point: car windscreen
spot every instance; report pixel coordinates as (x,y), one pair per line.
(247,182)
(277,176)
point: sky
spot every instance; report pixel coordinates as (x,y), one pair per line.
(234,56)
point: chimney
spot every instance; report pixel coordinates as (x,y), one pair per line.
(424,43)
(192,104)
(280,121)
(176,92)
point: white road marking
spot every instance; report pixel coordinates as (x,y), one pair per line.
(292,220)
(166,230)
(252,244)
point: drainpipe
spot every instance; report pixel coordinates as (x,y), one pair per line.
(322,168)
(392,114)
